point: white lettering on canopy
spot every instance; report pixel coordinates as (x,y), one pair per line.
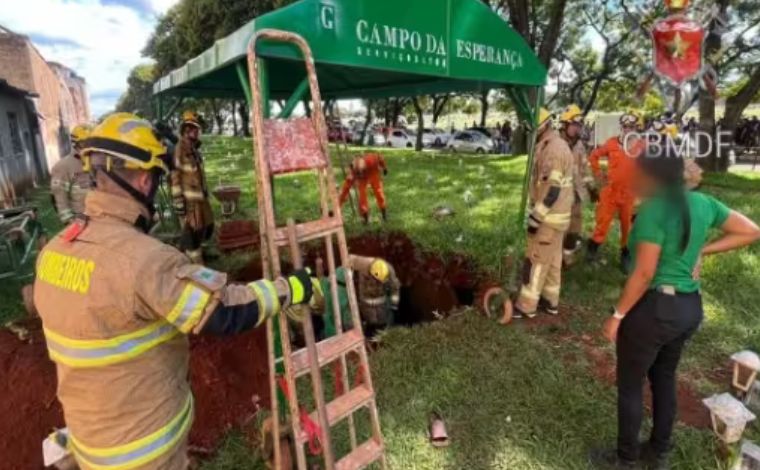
(486,54)
(404,39)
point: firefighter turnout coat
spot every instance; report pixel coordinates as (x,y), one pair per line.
(69,184)
(116,306)
(188,182)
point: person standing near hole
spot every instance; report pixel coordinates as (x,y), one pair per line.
(69,183)
(190,190)
(551,201)
(366,170)
(660,307)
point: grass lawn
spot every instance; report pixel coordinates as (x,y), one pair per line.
(517,397)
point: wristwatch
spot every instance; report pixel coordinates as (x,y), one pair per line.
(616,314)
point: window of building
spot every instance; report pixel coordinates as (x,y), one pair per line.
(16,144)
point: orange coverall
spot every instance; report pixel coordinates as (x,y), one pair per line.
(617,195)
(373,165)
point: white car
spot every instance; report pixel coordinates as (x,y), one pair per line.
(435,138)
(470,141)
(400,138)
(371,138)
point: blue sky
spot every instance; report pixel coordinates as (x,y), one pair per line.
(100,39)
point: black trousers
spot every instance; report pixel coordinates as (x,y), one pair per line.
(650,341)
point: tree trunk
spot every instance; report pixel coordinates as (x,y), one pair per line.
(706,100)
(398,106)
(420,123)
(483,107)
(245,118)
(234,120)
(552,32)
(367,122)
(218,118)
(439,104)
(307,108)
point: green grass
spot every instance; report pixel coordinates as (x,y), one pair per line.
(516,397)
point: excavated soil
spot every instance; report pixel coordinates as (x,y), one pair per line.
(229,376)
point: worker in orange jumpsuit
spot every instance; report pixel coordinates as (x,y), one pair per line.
(365,170)
(616,197)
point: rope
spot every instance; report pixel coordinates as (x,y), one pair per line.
(310,427)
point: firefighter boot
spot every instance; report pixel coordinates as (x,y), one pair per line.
(592,251)
(547,307)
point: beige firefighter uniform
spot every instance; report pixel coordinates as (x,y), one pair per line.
(190,196)
(551,198)
(377,300)
(582,180)
(116,306)
(69,184)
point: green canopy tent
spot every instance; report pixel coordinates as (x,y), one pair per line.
(370,49)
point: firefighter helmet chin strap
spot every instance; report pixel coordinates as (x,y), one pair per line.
(147,200)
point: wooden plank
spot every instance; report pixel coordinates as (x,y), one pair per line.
(327,350)
(361,457)
(309,231)
(349,402)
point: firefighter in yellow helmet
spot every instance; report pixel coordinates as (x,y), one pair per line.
(190,190)
(69,183)
(117,306)
(551,200)
(571,121)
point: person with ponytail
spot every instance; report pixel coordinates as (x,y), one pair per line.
(660,307)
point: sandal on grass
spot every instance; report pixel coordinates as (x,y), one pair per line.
(438,435)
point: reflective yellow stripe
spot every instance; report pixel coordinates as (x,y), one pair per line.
(267,298)
(176,190)
(296,290)
(141,451)
(103,352)
(193,195)
(188,309)
(557,219)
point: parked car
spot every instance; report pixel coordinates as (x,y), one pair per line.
(435,138)
(340,134)
(373,137)
(401,138)
(470,141)
(485,131)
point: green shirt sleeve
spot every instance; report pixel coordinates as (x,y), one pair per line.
(720,212)
(649,225)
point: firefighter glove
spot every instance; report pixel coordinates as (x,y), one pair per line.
(301,288)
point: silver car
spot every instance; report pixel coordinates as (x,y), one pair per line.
(470,142)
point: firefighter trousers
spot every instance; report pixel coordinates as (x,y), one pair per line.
(613,202)
(197,227)
(542,270)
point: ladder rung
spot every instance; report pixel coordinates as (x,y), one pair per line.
(327,350)
(343,406)
(360,457)
(347,403)
(309,230)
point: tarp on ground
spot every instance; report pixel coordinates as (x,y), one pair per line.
(370,48)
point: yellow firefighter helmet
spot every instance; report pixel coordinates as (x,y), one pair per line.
(80,132)
(676,4)
(572,113)
(190,118)
(544,116)
(129,140)
(380,270)
(629,120)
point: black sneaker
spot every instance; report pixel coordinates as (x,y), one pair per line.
(652,459)
(519,314)
(547,307)
(608,459)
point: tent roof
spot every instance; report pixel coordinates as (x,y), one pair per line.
(371,48)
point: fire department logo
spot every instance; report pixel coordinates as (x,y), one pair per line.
(677,49)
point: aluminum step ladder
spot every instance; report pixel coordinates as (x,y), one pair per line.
(281,147)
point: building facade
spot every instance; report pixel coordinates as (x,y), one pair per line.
(58,95)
